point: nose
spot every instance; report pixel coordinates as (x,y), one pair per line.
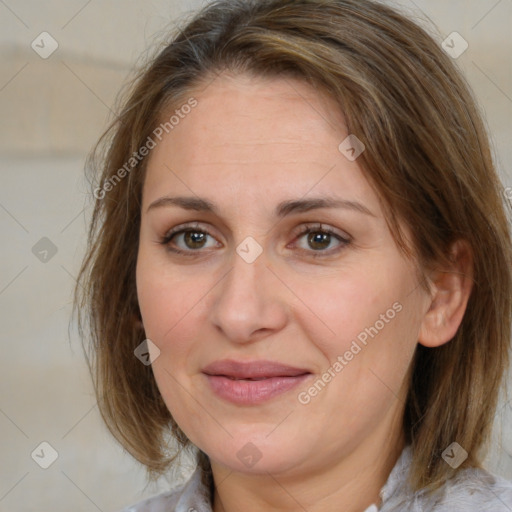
(250,301)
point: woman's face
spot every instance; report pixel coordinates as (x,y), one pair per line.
(280,350)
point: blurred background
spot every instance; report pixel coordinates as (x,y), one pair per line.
(63,63)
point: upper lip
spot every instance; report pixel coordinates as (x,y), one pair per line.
(252,369)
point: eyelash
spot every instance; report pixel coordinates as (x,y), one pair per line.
(317,228)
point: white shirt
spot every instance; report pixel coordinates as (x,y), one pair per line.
(471,490)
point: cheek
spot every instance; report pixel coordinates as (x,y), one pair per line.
(168,305)
(170,316)
(371,319)
(342,307)
(377,349)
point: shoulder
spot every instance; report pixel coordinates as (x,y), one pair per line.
(165,502)
(475,489)
(191,495)
(470,490)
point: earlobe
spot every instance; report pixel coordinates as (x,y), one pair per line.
(451,288)
(137,321)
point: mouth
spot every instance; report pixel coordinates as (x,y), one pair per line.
(252,383)
(246,378)
(252,370)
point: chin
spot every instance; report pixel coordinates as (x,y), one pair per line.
(257,454)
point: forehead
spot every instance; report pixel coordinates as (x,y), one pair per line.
(244,108)
(257,134)
(236,111)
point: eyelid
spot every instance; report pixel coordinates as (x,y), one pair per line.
(344,239)
(183,227)
(319,226)
(303,229)
(190,226)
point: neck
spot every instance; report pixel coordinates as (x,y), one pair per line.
(351,485)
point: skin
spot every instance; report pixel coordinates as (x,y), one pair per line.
(250,144)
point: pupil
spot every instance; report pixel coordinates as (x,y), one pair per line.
(194,238)
(319,238)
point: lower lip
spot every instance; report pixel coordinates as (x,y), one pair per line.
(252,392)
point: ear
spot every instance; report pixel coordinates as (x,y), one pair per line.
(137,320)
(451,288)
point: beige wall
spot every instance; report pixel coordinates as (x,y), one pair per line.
(52,111)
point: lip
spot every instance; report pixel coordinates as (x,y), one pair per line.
(252,382)
(252,369)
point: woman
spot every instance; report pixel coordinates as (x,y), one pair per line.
(300,264)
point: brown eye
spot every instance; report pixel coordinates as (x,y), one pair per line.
(319,240)
(194,239)
(188,240)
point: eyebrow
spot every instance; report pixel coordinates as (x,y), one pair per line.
(282,210)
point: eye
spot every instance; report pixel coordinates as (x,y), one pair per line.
(187,239)
(320,240)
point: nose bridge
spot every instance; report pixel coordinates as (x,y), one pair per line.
(242,287)
(244,275)
(246,301)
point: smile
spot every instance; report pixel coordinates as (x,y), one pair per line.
(252,382)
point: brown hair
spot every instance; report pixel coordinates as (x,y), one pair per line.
(427,155)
